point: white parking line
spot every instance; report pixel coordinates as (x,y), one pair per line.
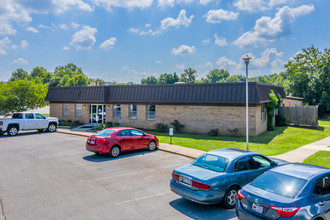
(142,198)
(34,154)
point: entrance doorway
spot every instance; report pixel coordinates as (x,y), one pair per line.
(97,113)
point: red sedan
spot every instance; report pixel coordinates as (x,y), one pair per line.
(115,140)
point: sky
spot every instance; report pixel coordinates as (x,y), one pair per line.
(127,40)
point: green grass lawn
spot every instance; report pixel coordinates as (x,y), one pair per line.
(321,158)
(281,140)
(47,115)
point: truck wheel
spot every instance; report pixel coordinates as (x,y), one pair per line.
(51,128)
(12,130)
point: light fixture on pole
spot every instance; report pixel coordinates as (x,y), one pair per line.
(247,60)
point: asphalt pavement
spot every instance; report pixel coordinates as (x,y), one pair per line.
(52,176)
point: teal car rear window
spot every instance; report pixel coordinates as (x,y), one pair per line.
(105,133)
(212,162)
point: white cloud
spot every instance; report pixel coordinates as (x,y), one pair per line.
(220,41)
(269,62)
(250,5)
(24,43)
(181,20)
(64,26)
(269,29)
(43,26)
(130,4)
(207,41)
(20,61)
(172,3)
(205,2)
(133,75)
(183,50)
(180,66)
(273,3)
(74,25)
(108,44)
(158,61)
(32,29)
(166,23)
(216,16)
(66,48)
(62,6)
(84,39)
(4,44)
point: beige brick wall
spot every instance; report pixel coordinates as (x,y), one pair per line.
(55,110)
(197,119)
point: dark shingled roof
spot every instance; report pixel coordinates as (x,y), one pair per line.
(195,94)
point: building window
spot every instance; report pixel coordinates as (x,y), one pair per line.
(78,110)
(65,110)
(151,112)
(116,111)
(263,113)
(133,112)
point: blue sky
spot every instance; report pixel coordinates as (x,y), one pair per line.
(126,40)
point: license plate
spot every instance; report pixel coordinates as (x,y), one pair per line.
(92,142)
(185,180)
(257,208)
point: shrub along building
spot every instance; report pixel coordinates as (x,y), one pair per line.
(201,107)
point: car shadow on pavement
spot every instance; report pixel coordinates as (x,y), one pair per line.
(26,133)
(201,212)
(105,157)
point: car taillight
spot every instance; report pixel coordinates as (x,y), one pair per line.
(200,185)
(1,123)
(100,140)
(285,211)
(240,195)
(175,176)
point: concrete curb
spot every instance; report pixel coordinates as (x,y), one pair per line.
(183,151)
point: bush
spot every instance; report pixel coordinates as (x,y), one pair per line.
(76,123)
(161,127)
(177,125)
(234,132)
(108,124)
(65,123)
(280,120)
(115,124)
(99,127)
(213,132)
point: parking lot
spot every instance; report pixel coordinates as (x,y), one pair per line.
(52,176)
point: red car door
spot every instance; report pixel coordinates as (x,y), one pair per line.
(125,140)
(140,140)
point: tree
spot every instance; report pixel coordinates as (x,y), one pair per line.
(168,78)
(41,75)
(69,75)
(149,80)
(235,78)
(19,74)
(308,76)
(217,75)
(189,76)
(21,95)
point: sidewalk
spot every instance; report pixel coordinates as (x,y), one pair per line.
(297,155)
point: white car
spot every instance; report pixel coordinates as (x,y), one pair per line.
(27,121)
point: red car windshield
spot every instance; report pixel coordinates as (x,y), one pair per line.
(105,133)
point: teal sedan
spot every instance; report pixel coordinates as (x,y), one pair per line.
(217,175)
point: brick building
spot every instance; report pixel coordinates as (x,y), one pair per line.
(201,107)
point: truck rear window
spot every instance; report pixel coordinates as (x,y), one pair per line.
(18,115)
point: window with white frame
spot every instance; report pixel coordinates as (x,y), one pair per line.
(116,111)
(133,112)
(263,113)
(65,110)
(78,110)
(151,112)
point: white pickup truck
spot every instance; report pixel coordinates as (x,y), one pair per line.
(27,121)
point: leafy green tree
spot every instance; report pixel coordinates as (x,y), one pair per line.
(217,75)
(189,76)
(149,80)
(21,95)
(308,76)
(168,78)
(235,78)
(41,75)
(69,75)
(19,74)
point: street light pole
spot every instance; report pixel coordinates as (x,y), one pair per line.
(246,60)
